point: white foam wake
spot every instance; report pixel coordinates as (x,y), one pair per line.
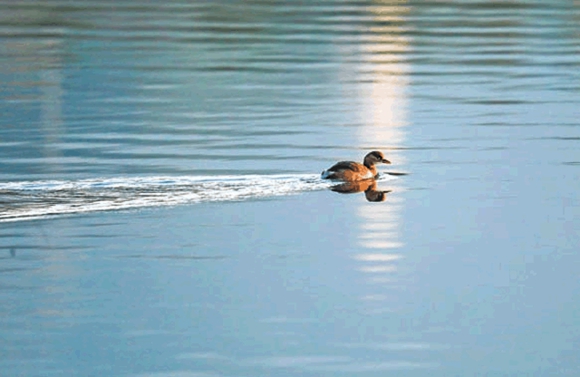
(36,199)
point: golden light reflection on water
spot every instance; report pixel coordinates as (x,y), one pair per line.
(37,64)
(384,117)
(40,63)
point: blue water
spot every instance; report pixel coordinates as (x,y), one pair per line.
(161,212)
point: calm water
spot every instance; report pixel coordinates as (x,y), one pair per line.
(161,213)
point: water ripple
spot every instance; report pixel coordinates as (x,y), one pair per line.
(35,199)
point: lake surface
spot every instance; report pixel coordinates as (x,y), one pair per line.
(161,212)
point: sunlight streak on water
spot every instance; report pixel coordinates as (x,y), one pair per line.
(386,78)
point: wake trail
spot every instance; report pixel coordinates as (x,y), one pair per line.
(37,199)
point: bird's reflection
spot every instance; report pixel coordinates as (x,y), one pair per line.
(369,187)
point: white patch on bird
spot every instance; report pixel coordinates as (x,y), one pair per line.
(325,174)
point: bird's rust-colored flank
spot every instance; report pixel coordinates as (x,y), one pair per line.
(350,171)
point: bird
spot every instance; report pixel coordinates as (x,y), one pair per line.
(350,171)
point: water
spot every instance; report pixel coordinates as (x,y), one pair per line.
(162,213)
(37,199)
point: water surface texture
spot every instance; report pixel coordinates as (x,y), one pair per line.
(161,212)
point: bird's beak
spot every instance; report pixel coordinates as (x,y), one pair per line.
(385,161)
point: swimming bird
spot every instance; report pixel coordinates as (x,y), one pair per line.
(350,171)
